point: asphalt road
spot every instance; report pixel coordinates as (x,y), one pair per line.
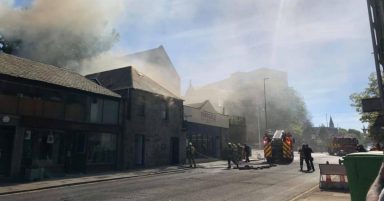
(210,181)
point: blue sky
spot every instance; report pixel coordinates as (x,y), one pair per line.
(324,46)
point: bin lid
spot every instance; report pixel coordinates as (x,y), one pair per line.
(365,154)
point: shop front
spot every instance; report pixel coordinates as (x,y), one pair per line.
(52,153)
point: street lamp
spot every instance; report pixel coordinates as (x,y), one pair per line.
(265,105)
(258,125)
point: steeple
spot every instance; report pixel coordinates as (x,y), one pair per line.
(331,125)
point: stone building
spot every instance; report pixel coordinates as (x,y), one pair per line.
(54,121)
(206,129)
(152,119)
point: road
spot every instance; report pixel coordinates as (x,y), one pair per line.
(210,181)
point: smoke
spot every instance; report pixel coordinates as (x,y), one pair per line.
(242,94)
(61,33)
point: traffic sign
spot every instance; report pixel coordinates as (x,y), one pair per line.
(371,104)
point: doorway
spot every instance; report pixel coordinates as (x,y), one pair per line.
(75,153)
(6,141)
(139,150)
(174,150)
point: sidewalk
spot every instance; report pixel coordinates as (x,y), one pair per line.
(315,194)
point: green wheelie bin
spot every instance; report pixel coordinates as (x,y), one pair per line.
(362,169)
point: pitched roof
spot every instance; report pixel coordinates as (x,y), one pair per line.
(31,70)
(156,64)
(128,77)
(197,105)
(206,105)
(156,56)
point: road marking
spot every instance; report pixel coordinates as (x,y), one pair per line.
(302,194)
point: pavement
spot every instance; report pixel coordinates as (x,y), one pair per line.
(313,194)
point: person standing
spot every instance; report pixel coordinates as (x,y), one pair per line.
(308,158)
(191,155)
(301,152)
(247,151)
(231,154)
(240,152)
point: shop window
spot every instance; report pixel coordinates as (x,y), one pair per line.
(42,148)
(101,148)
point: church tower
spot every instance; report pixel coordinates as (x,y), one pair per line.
(331,124)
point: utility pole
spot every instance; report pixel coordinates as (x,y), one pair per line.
(265,105)
(258,125)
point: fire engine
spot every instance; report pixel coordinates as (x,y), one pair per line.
(342,145)
(279,148)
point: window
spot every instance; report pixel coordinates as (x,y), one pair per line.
(110,112)
(75,107)
(101,148)
(42,148)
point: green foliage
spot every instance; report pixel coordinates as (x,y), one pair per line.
(7,46)
(371,91)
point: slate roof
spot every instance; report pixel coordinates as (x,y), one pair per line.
(128,77)
(31,70)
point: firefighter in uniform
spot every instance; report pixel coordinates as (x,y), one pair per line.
(191,155)
(240,152)
(301,152)
(231,154)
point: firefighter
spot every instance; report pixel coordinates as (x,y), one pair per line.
(191,155)
(308,158)
(231,153)
(301,152)
(240,152)
(247,152)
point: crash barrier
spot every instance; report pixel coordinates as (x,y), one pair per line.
(333,177)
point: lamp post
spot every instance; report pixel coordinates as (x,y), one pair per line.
(258,125)
(265,105)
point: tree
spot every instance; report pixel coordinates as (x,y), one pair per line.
(7,46)
(370,92)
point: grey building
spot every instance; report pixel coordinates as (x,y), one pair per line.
(206,129)
(152,119)
(54,121)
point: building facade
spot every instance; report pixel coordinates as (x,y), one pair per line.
(206,129)
(152,119)
(54,121)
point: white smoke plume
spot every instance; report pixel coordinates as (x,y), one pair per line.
(61,33)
